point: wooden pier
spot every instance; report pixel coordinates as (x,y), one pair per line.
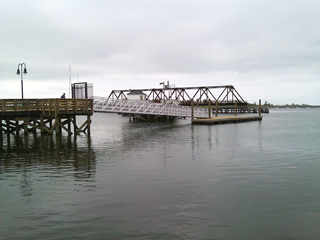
(45,115)
(226,119)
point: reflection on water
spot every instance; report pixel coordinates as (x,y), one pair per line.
(50,155)
(165,180)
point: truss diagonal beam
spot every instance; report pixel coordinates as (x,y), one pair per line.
(227,95)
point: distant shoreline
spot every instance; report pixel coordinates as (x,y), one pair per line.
(287,105)
(280,106)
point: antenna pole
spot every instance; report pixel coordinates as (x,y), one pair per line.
(69,81)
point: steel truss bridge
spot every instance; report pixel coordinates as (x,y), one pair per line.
(149,108)
(224,95)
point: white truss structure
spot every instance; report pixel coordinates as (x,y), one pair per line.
(138,107)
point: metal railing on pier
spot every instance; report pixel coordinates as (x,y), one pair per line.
(126,106)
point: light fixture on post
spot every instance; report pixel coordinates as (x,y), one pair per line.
(24,72)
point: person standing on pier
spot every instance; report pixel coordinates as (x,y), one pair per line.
(63,95)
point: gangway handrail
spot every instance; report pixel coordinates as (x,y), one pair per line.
(126,106)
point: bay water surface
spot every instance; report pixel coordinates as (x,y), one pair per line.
(166,180)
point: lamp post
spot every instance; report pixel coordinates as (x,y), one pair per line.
(24,72)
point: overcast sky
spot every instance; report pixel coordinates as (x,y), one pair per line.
(268,50)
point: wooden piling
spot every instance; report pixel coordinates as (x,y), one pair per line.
(235,108)
(216,108)
(17,128)
(88,125)
(192,113)
(41,123)
(75,125)
(209,107)
(259,107)
(1,138)
(25,125)
(69,124)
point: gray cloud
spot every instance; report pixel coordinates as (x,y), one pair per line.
(260,47)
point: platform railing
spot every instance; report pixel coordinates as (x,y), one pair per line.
(126,106)
(51,105)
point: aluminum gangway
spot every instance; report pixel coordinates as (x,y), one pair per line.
(138,107)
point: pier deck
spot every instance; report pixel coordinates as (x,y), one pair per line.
(46,115)
(48,106)
(226,119)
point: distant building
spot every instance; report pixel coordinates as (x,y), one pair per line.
(136,95)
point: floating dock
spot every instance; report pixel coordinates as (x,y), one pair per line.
(226,119)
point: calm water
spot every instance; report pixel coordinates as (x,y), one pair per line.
(166,180)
